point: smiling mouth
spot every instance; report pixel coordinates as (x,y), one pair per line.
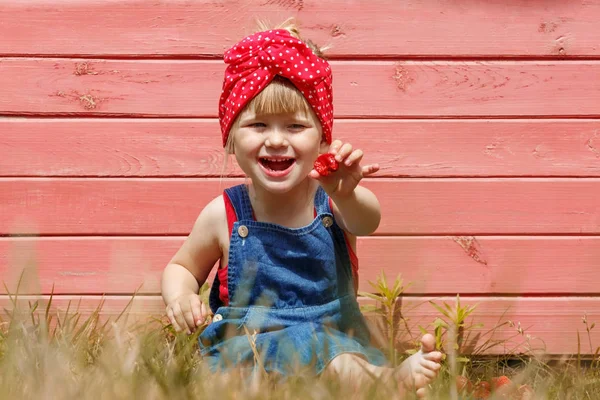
(276,164)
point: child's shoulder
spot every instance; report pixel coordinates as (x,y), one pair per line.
(214,210)
(210,227)
(212,217)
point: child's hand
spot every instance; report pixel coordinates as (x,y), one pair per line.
(187,312)
(349,173)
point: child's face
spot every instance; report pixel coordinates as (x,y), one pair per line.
(277,151)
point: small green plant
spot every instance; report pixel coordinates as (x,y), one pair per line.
(389,309)
(453,323)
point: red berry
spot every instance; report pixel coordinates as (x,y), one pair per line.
(482,391)
(500,381)
(326,164)
(484,385)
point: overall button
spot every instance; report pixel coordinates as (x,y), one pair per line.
(243,231)
(327,221)
(217,318)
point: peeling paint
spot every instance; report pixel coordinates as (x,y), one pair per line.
(336,31)
(591,144)
(547,27)
(470,245)
(88,101)
(84,69)
(402,78)
(494,149)
(538,152)
(560,45)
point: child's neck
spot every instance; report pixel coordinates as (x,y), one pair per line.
(293,209)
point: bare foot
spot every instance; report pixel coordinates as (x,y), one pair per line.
(420,369)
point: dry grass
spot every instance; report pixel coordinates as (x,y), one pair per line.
(44,354)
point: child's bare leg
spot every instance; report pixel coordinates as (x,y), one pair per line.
(415,373)
(356,371)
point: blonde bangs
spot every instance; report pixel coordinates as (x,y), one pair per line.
(279,97)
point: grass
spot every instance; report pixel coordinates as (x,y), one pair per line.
(45,353)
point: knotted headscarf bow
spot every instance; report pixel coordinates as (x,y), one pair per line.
(257,59)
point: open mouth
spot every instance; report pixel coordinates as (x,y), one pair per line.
(276,166)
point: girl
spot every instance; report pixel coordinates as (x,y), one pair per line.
(284,296)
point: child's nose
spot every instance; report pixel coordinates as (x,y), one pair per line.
(276,138)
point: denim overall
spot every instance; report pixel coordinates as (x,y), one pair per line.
(292,291)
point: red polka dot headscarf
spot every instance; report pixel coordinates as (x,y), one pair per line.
(257,59)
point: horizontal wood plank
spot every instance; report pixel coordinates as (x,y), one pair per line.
(191,88)
(403,148)
(428,265)
(133,206)
(549,324)
(408,28)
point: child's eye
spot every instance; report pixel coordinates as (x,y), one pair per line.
(257,125)
(296,127)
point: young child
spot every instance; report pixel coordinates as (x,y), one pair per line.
(285,240)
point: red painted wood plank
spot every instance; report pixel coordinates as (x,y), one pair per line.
(417,28)
(433,265)
(549,323)
(59,206)
(485,264)
(403,148)
(403,89)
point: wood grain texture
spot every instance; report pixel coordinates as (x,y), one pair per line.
(190,88)
(483,115)
(549,324)
(437,28)
(432,265)
(453,206)
(403,148)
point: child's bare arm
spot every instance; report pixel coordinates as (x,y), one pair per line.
(358,213)
(190,266)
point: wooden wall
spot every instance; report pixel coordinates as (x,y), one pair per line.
(483,115)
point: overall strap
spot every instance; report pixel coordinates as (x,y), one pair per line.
(238,195)
(322,202)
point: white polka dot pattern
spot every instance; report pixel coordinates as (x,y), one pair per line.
(257,59)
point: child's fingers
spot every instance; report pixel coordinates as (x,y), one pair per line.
(315,175)
(343,152)
(335,146)
(370,169)
(190,321)
(173,320)
(196,308)
(178,314)
(430,366)
(354,157)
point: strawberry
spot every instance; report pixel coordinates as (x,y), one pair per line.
(463,384)
(482,391)
(326,164)
(497,383)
